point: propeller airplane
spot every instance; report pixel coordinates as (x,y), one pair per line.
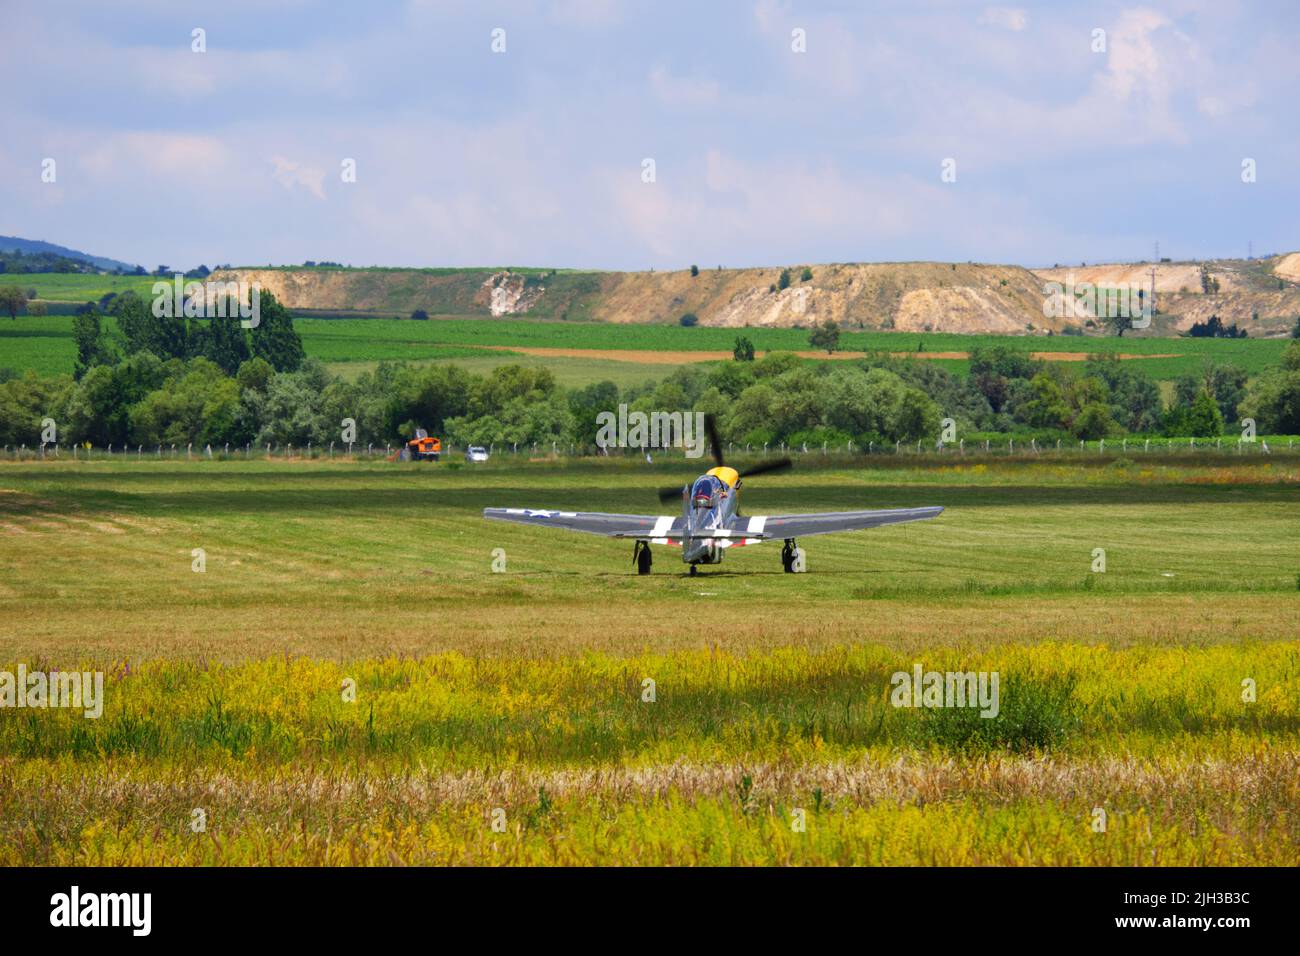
(710,521)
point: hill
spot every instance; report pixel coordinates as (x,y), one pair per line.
(1262,295)
(35,246)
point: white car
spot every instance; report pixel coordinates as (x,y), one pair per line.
(476,453)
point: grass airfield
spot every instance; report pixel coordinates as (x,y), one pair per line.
(500,717)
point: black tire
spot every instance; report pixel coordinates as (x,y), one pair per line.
(694,570)
(787,558)
(643,560)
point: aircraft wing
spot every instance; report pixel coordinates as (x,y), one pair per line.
(828,522)
(648,527)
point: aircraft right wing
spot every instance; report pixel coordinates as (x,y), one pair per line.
(828,522)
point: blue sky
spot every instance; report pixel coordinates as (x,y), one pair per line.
(763,155)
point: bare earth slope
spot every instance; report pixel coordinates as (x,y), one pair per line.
(1263,295)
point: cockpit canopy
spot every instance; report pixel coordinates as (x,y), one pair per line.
(706,491)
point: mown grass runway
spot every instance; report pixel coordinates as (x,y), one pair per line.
(524,692)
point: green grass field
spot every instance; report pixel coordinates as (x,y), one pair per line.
(519,698)
(352,340)
(568,372)
(78,287)
(45,344)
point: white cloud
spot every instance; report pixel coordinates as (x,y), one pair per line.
(1008,18)
(734,210)
(119,158)
(1146,67)
(771,15)
(839,54)
(585,13)
(290,173)
(1133,63)
(763,154)
(683,91)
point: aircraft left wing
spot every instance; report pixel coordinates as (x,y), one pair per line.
(828,522)
(648,527)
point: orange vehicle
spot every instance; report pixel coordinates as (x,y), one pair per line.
(422,447)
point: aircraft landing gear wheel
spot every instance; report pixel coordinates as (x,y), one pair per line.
(788,554)
(694,570)
(641,555)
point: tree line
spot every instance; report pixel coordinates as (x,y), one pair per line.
(148,380)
